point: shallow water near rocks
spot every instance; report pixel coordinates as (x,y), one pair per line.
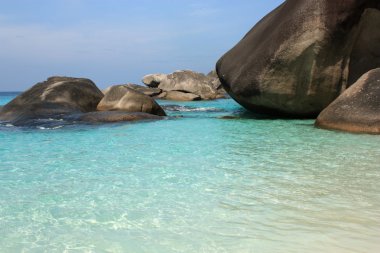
(191,183)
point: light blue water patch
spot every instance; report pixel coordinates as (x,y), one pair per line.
(6,97)
(192,183)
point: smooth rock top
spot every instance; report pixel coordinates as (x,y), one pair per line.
(122,98)
(51,98)
(301,56)
(184,81)
(142,89)
(153,80)
(357,109)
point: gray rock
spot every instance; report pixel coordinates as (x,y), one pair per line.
(178,96)
(357,109)
(52,98)
(142,89)
(185,81)
(122,98)
(217,85)
(213,76)
(301,56)
(153,80)
(116,116)
(147,91)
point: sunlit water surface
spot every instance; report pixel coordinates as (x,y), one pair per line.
(196,183)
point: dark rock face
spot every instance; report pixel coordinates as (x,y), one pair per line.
(357,109)
(185,81)
(303,55)
(122,98)
(55,97)
(178,96)
(116,116)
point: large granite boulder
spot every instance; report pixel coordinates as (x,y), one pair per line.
(115,116)
(303,55)
(184,81)
(122,98)
(52,98)
(357,109)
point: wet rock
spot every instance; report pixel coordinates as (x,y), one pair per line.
(229,117)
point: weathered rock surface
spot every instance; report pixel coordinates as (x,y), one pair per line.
(179,96)
(122,98)
(142,89)
(217,85)
(303,55)
(116,116)
(357,109)
(52,98)
(153,80)
(185,81)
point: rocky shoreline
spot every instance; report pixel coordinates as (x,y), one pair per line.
(79,99)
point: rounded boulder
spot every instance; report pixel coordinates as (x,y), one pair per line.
(122,98)
(357,109)
(52,98)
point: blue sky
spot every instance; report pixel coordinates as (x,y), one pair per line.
(117,41)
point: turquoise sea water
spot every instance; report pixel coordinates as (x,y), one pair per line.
(195,183)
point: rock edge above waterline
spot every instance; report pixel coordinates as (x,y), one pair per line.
(193,85)
(357,110)
(61,98)
(302,56)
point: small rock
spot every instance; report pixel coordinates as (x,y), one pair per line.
(122,98)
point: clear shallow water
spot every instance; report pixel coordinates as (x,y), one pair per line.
(195,183)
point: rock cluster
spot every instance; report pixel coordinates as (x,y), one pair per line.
(79,99)
(186,85)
